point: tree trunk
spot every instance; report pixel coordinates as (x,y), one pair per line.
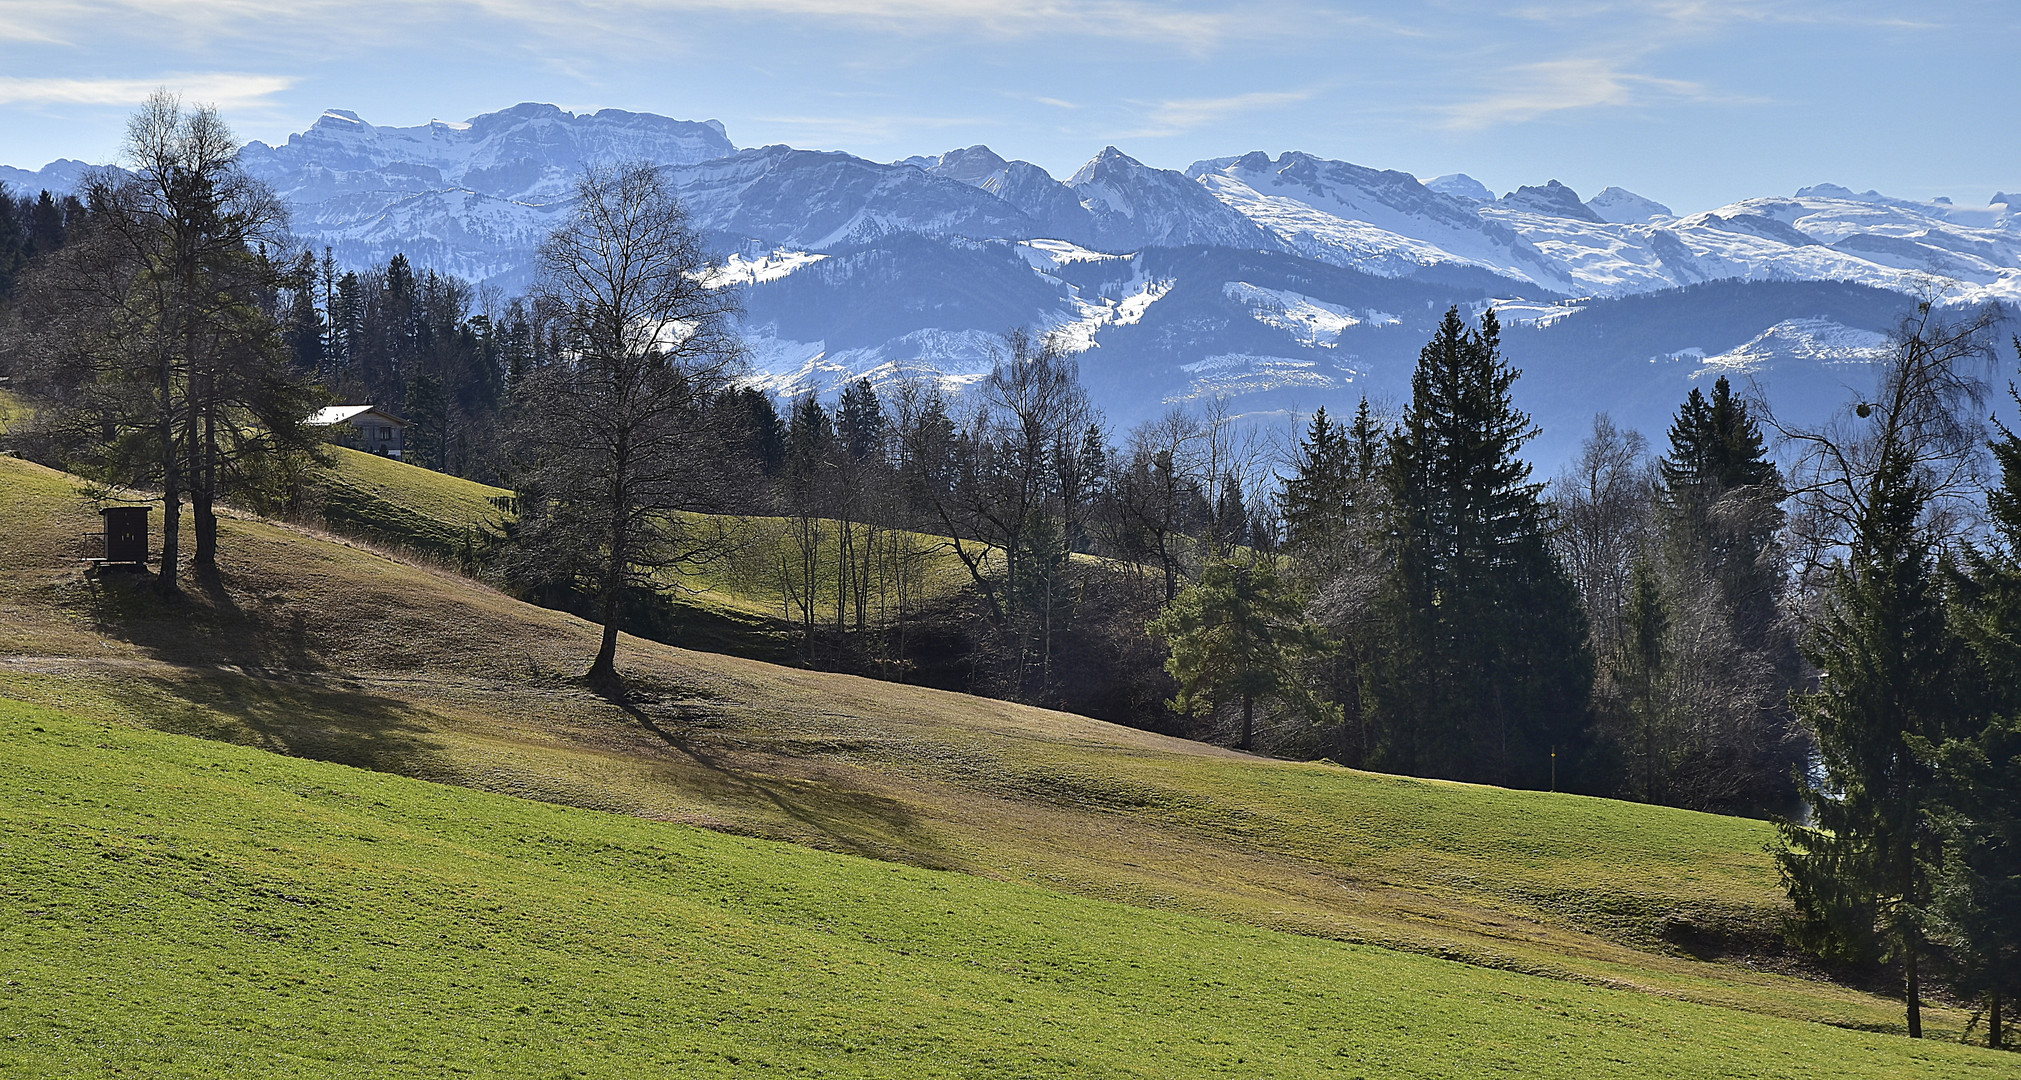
(1648,754)
(604,669)
(206,558)
(1994,1036)
(171,483)
(1915,993)
(1248,721)
(204,488)
(845,560)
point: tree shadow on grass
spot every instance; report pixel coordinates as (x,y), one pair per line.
(841,819)
(316,720)
(205,626)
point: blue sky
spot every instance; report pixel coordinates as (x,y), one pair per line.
(1691,102)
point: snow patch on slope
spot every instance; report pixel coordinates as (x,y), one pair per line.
(1090,314)
(1519,312)
(1313,323)
(741,269)
(1816,341)
(1233,374)
(787,368)
(1046,256)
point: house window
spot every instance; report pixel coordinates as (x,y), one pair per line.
(386,433)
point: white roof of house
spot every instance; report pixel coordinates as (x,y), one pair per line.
(337,414)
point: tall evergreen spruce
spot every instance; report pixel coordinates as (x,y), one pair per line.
(1490,670)
(1719,495)
(1711,727)
(1333,507)
(1640,672)
(1886,658)
(1319,495)
(1975,906)
(1894,675)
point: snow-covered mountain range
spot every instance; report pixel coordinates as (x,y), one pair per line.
(1283,283)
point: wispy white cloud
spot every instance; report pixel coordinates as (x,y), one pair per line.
(1133,19)
(1179,115)
(226,90)
(1711,15)
(1192,27)
(1528,91)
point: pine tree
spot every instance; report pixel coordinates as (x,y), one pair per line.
(1976,894)
(753,422)
(1889,659)
(1317,496)
(304,325)
(1489,671)
(1860,872)
(48,225)
(1719,493)
(859,420)
(13,240)
(1640,674)
(1717,721)
(346,314)
(1239,637)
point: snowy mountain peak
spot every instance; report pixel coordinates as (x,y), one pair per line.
(969,165)
(1553,199)
(1134,205)
(529,152)
(1835,191)
(1624,207)
(1460,186)
(1110,162)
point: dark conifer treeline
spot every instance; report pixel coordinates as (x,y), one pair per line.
(431,348)
(31,226)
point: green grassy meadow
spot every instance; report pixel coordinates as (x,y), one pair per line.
(403,504)
(310,654)
(177,907)
(734,604)
(12,411)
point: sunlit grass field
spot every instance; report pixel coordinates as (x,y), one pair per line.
(741,595)
(311,647)
(12,411)
(177,907)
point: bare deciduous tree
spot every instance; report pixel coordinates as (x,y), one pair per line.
(1602,500)
(617,436)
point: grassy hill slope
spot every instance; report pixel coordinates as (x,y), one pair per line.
(731,605)
(409,506)
(174,907)
(12,411)
(318,649)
